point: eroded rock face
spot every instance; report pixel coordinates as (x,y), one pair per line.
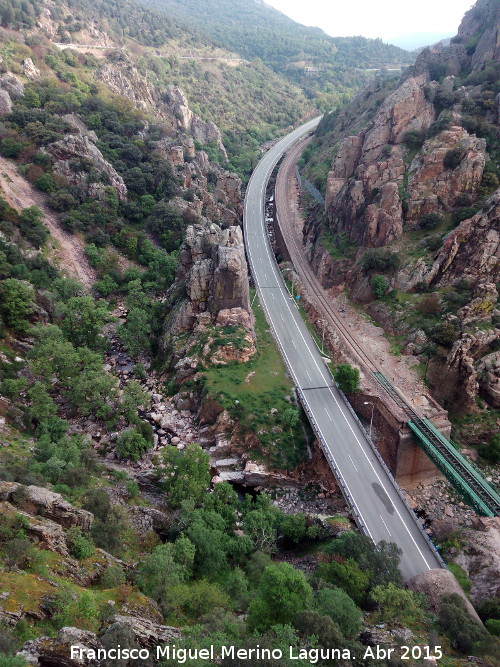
(75,149)
(124,79)
(212,263)
(37,500)
(12,84)
(203,131)
(5,103)
(145,632)
(461,360)
(49,534)
(471,251)
(433,187)
(480,558)
(363,190)
(488,377)
(437,584)
(29,69)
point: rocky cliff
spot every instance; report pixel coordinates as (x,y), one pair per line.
(412,193)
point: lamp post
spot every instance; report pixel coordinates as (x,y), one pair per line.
(371,419)
(322,322)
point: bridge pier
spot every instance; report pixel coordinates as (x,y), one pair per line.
(394,439)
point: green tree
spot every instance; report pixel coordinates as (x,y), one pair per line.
(79,546)
(131,445)
(396,604)
(186,474)
(83,321)
(136,331)
(379,286)
(348,576)
(282,593)
(16,299)
(336,603)
(41,404)
(159,571)
(463,630)
(347,378)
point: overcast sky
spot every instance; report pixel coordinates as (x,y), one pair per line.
(377,18)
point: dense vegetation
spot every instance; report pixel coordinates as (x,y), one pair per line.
(257,31)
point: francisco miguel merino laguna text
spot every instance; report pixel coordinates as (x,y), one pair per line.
(181,655)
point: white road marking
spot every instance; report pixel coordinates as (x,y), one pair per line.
(272,162)
(387,529)
(353,462)
(329,415)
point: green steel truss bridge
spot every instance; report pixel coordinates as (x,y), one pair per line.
(444,454)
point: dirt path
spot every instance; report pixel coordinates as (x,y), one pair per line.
(65,249)
(364,343)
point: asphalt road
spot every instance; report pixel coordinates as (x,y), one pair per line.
(372,493)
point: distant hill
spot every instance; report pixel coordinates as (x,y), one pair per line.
(305,55)
(419,40)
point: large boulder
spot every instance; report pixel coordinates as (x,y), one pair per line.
(5,103)
(36,500)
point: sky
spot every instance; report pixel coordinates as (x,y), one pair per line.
(387,19)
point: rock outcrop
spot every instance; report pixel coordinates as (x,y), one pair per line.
(480,558)
(137,632)
(437,584)
(36,500)
(213,266)
(471,251)
(205,132)
(48,534)
(432,187)
(73,157)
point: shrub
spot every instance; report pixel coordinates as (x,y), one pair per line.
(429,305)
(458,624)
(379,259)
(15,303)
(131,445)
(379,286)
(46,183)
(443,333)
(79,546)
(347,378)
(453,158)
(112,577)
(430,220)
(10,147)
(491,452)
(414,139)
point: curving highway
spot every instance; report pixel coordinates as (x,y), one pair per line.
(375,499)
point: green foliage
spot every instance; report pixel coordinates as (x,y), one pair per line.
(136,332)
(458,624)
(348,576)
(347,377)
(112,577)
(282,593)
(443,333)
(379,259)
(10,148)
(131,445)
(338,605)
(379,286)
(453,158)
(396,604)
(16,300)
(186,474)
(79,546)
(83,321)
(32,227)
(491,452)
(430,220)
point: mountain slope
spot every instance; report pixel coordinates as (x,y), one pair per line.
(308,56)
(410,172)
